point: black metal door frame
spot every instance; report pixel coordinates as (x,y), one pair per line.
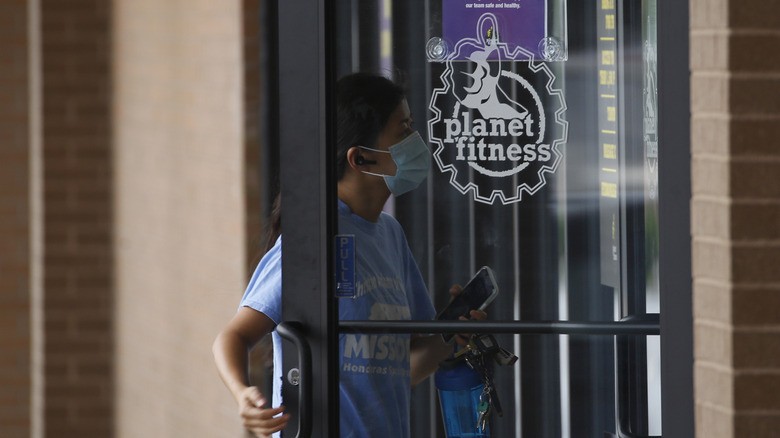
(308,208)
(674,188)
(305,75)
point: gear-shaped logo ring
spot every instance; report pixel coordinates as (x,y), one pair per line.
(483,94)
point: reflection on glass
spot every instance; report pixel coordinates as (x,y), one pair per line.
(582,245)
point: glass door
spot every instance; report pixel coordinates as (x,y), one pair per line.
(541,118)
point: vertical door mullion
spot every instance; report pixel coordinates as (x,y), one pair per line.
(307,205)
(674,195)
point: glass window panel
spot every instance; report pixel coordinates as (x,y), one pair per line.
(544,170)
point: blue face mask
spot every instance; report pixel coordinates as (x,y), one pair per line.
(413,160)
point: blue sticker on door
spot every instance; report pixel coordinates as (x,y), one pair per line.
(345,265)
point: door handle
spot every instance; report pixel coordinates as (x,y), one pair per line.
(293,332)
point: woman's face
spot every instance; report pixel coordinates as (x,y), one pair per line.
(398,127)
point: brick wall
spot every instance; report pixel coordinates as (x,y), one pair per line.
(252,74)
(736,216)
(754,95)
(144,245)
(15,336)
(78,243)
(57,346)
(180,218)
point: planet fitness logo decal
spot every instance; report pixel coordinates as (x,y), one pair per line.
(498,132)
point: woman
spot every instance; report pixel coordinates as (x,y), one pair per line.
(379,154)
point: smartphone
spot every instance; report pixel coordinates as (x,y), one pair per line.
(476,295)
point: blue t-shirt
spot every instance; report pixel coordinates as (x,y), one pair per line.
(374,368)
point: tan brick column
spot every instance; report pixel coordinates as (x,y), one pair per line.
(735,91)
(181,262)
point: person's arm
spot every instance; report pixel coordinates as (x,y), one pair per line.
(427,351)
(231,356)
(425,354)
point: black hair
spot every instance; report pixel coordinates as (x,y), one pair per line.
(364,103)
(274,228)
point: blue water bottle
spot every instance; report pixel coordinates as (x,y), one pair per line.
(459,391)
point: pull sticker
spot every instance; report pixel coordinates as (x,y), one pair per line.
(345,265)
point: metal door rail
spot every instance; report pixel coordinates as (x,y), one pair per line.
(649,325)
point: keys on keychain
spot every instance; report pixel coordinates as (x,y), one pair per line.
(489,393)
(488,398)
(504,357)
(479,348)
(483,411)
(486,345)
(480,345)
(487,401)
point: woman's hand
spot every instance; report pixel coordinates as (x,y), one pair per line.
(463,339)
(427,351)
(258,420)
